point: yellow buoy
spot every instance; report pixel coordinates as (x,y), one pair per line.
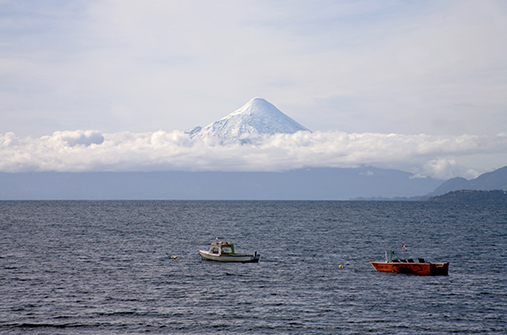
(174,257)
(341,266)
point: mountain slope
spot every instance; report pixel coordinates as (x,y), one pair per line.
(256,117)
(495,180)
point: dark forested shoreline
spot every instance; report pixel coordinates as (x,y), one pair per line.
(472,195)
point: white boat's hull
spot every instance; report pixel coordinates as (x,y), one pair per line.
(243,258)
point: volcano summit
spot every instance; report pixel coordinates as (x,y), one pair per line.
(256,117)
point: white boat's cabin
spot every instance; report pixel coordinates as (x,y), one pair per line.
(222,247)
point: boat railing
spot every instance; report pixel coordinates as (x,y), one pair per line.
(392,257)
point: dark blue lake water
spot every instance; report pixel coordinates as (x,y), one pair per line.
(96,267)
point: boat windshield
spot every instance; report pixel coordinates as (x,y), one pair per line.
(226,249)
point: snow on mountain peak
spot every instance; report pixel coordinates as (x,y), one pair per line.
(256,117)
(256,105)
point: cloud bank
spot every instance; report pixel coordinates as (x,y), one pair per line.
(90,150)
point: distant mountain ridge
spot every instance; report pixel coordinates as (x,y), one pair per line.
(301,184)
(365,183)
(495,180)
(460,189)
(256,117)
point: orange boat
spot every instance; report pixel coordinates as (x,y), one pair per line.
(409,266)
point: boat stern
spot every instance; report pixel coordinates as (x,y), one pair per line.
(439,269)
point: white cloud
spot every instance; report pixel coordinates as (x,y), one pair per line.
(423,155)
(73,138)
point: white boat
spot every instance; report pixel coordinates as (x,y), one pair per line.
(224,252)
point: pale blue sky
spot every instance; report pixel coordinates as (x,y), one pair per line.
(406,67)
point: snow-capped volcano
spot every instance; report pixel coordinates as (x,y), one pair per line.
(256,117)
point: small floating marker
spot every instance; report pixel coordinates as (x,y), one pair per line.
(341,266)
(174,257)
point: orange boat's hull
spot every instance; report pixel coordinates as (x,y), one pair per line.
(415,268)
